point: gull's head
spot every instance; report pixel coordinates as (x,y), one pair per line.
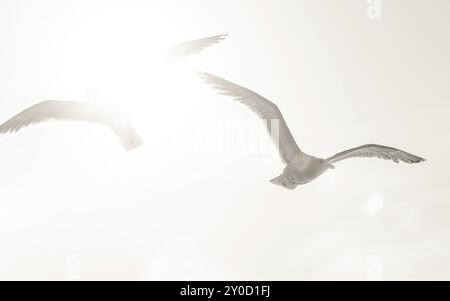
(325,164)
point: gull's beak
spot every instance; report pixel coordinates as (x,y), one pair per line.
(331,166)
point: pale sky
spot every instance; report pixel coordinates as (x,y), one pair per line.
(74,205)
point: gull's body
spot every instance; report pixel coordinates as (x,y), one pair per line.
(301,168)
(93,112)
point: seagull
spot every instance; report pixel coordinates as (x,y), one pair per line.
(95,112)
(100,113)
(301,168)
(186,49)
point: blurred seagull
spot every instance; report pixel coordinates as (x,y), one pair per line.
(100,113)
(94,112)
(301,168)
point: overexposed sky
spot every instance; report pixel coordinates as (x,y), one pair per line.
(193,203)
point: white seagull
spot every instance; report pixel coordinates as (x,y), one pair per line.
(94,112)
(301,168)
(98,112)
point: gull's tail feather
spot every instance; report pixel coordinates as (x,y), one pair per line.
(283,182)
(130,139)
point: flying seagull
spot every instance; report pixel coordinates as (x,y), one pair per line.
(94,112)
(301,168)
(185,49)
(97,112)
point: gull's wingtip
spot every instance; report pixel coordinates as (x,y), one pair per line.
(205,75)
(416,159)
(222,36)
(422,160)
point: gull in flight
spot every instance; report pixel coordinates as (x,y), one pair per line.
(301,168)
(98,112)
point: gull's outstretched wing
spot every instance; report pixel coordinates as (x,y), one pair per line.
(377,151)
(265,109)
(75,111)
(48,111)
(192,47)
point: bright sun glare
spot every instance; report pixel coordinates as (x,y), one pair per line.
(116,55)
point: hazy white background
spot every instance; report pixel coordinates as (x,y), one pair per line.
(74,205)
